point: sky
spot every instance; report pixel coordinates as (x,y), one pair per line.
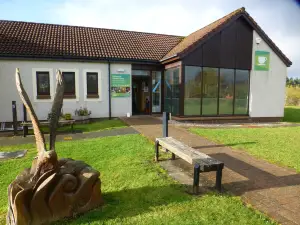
(280,19)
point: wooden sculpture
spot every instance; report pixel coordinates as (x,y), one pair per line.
(51,189)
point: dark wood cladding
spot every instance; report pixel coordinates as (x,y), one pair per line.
(244,41)
(195,58)
(230,48)
(211,51)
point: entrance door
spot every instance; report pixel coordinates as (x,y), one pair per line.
(140,95)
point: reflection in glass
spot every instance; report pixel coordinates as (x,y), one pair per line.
(43,83)
(69,79)
(92,83)
(172,91)
(241,92)
(226,91)
(210,91)
(192,90)
(156,91)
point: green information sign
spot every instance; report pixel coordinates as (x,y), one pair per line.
(262,60)
(120,85)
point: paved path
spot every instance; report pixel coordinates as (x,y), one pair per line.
(64,137)
(271,189)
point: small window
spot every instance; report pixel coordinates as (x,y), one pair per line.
(43,85)
(69,79)
(92,85)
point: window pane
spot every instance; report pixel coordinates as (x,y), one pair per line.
(92,83)
(43,83)
(210,91)
(226,91)
(168,90)
(156,91)
(241,92)
(192,90)
(175,92)
(69,79)
(172,90)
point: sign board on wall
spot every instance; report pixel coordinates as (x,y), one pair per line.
(120,85)
(262,60)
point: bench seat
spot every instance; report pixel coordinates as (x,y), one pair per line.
(201,161)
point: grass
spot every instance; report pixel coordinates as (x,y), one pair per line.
(136,190)
(277,145)
(104,124)
(292,114)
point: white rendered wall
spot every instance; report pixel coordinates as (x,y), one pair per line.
(99,107)
(267,88)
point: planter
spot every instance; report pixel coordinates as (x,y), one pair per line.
(82,119)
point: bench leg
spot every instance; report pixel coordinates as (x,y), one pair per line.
(196,178)
(25,131)
(173,156)
(156,150)
(219,179)
(72,128)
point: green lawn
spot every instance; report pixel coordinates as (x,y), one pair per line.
(136,190)
(277,145)
(292,114)
(92,126)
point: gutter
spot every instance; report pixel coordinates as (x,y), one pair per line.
(168,58)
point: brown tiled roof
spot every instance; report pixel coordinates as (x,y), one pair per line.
(194,38)
(23,39)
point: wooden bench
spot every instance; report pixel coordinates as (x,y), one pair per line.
(46,123)
(201,161)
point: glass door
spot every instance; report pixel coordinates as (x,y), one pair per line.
(156,91)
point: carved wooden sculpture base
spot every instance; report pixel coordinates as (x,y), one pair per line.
(51,189)
(74,187)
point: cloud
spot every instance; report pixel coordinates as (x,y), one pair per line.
(182,17)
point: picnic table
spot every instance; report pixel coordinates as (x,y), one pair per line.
(26,124)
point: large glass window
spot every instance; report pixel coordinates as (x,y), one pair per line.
(172,90)
(156,91)
(241,92)
(192,90)
(210,91)
(226,91)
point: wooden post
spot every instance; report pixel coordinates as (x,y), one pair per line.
(25,127)
(15,119)
(196,178)
(165,124)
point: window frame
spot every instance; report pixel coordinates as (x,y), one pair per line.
(72,97)
(92,97)
(40,95)
(36,96)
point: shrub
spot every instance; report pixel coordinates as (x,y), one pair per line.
(82,112)
(292,96)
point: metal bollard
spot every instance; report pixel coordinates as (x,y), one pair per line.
(165,124)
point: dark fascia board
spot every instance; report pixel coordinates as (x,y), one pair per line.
(80,59)
(264,36)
